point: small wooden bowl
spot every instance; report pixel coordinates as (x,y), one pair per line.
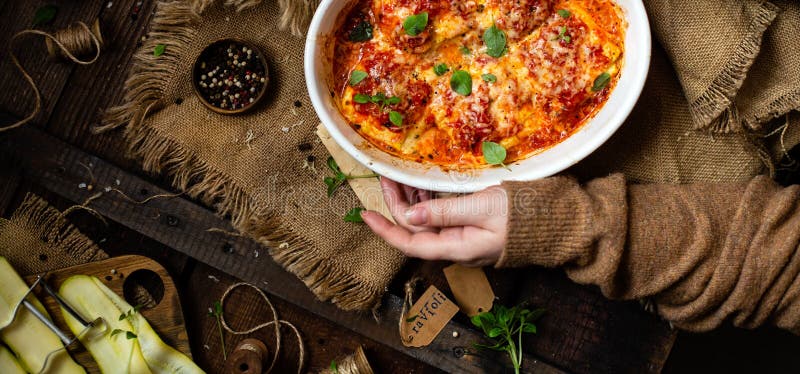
(196,73)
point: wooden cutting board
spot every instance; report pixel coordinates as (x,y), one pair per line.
(128,276)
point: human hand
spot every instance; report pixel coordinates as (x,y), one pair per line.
(470,229)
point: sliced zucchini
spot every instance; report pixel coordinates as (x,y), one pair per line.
(113,352)
(27,336)
(160,358)
(9,363)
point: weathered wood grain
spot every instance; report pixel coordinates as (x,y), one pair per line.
(91,89)
(183,225)
(324,341)
(9,182)
(50,76)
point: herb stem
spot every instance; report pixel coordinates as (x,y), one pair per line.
(519,364)
(222,340)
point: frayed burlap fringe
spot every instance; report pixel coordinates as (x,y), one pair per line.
(200,181)
(40,221)
(172,26)
(777,108)
(715,109)
(295,14)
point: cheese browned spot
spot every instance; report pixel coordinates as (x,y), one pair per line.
(542,92)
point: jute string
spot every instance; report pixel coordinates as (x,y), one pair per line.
(408,301)
(355,363)
(276,322)
(75,40)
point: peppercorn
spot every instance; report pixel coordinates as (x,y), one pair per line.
(230,75)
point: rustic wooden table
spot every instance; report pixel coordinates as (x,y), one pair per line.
(582,332)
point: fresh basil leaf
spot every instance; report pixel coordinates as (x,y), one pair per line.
(396,118)
(130,335)
(361,98)
(45,15)
(495,40)
(503,317)
(116,331)
(535,314)
(331,162)
(601,82)
(529,328)
(394,100)
(476,320)
(333,184)
(495,332)
(122,316)
(491,78)
(493,153)
(500,347)
(563,13)
(354,215)
(416,23)
(362,32)
(159,50)
(357,76)
(378,98)
(440,69)
(464,50)
(461,83)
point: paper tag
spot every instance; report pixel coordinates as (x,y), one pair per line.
(368,190)
(471,289)
(426,318)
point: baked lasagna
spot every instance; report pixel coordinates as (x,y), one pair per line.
(434,81)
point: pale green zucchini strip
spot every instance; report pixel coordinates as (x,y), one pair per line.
(27,336)
(9,363)
(113,354)
(160,358)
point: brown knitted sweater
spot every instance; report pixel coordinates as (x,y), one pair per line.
(704,253)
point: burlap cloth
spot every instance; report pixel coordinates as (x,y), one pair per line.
(38,238)
(703,117)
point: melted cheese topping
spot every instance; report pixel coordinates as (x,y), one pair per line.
(543,92)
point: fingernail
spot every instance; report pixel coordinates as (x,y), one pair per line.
(417,216)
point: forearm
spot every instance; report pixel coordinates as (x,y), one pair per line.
(702,252)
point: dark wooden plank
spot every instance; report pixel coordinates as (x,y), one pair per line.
(324,341)
(92,89)
(183,225)
(9,182)
(50,76)
(588,333)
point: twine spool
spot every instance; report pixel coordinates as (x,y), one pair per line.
(355,363)
(247,358)
(275,323)
(76,40)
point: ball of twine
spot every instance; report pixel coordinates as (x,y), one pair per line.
(76,40)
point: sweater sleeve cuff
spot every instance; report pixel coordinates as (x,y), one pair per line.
(549,223)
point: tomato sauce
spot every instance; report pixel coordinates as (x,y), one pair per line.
(536,71)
